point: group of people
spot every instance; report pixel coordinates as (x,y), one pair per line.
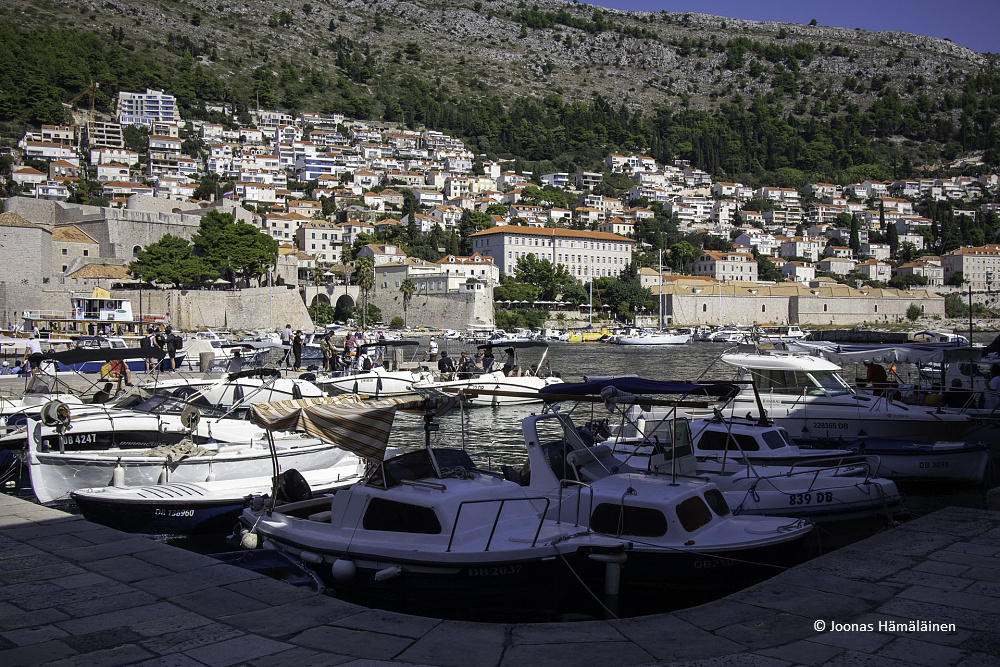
(292,342)
(469,366)
(166,340)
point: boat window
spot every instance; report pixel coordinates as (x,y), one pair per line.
(774,440)
(717,502)
(831,382)
(628,520)
(396,517)
(718,441)
(693,513)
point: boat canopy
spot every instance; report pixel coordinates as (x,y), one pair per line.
(640,386)
(910,353)
(82,355)
(780,362)
(502,344)
(253,373)
(391,343)
(361,427)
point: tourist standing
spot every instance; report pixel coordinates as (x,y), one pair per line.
(34,346)
(286,342)
(174,344)
(297,350)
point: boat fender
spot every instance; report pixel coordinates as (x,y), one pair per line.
(118,475)
(310,557)
(388,573)
(343,570)
(248,540)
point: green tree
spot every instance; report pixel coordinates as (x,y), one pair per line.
(235,248)
(407,289)
(549,278)
(913,313)
(364,277)
(320,312)
(682,254)
(170,261)
(856,236)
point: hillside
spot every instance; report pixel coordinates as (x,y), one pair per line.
(451,67)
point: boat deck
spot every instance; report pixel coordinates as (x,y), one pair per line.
(74,593)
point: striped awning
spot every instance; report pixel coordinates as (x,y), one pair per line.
(361,427)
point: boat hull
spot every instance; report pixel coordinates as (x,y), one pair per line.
(944,461)
(54,476)
(490,382)
(679,339)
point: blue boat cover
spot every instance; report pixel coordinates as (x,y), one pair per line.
(639,386)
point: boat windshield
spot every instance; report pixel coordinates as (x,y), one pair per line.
(813,383)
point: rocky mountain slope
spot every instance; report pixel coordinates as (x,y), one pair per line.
(513,48)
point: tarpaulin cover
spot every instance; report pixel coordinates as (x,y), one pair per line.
(911,353)
(639,386)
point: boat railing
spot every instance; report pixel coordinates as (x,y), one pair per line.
(579,498)
(496,518)
(808,467)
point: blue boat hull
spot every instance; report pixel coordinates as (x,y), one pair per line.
(134,365)
(163,518)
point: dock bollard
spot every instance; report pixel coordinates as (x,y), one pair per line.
(205,360)
(612,577)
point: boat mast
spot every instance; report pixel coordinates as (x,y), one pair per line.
(659,297)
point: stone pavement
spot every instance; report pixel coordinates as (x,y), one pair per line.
(77,594)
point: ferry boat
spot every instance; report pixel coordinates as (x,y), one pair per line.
(97,314)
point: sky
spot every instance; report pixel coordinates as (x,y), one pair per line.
(972,23)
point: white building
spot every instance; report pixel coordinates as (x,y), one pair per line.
(145,109)
(583,253)
(726,266)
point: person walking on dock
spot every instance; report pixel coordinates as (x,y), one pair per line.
(286,342)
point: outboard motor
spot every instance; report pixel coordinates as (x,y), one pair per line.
(293,487)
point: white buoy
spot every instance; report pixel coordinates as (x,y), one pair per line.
(343,569)
(118,475)
(248,540)
(211,473)
(310,557)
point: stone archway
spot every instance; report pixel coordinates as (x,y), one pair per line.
(344,308)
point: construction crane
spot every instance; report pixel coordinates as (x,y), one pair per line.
(89,92)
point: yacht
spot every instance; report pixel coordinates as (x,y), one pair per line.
(807,396)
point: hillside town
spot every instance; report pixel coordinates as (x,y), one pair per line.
(317,184)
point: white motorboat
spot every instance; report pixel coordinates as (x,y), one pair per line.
(807,396)
(682,528)
(757,468)
(426,528)
(377,381)
(200,507)
(652,337)
(258,385)
(730,334)
(57,468)
(519,385)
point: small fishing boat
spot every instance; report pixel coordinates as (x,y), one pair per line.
(377,381)
(940,460)
(519,385)
(426,528)
(197,507)
(652,337)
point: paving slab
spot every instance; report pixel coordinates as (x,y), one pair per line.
(776,629)
(290,619)
(35,654)
(578,654)
(306,657)
(566,633)
(110,657)
(190,638)
(234,651)
(356,643)
(921,653)
(392,623)
(35,635)
(217,601)
(960,599)
(805,652)
(666,637)
(481,645)
(127,568)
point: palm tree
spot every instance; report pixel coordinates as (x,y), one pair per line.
(408,288)
(364,277)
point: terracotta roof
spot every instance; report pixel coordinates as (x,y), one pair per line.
(71,234)
(10,219)
(555,231)
(109,271)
